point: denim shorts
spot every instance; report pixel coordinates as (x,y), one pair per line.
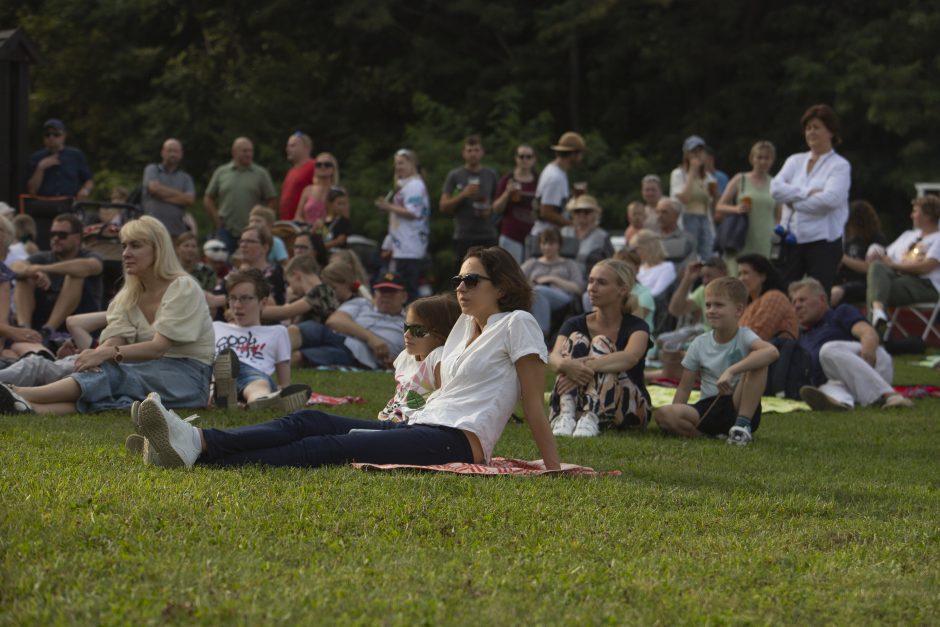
(247,374)
(181,383)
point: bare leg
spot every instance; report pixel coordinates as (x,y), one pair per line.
(681,420)
(58,409)
(67,302)
(295,339)
(24,296)
(750,389)
(66,390)
(256,388)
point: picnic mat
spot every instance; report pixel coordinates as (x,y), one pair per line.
(917,391)
(323,399)
(769,404)
(498,466)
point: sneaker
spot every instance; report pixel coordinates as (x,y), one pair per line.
(819,400)
(13,403)
(225,371)
(588,426)
(168,435)
(135,416)
(740,435)
(896,400)
(879,320)
(563,425)
(288,400)
(136,444)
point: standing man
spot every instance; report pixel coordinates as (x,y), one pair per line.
(234,189)
(299,176)
(468,194)
(168,191)
(57,169)
(552,192)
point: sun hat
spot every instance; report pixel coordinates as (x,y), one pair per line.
(570,142)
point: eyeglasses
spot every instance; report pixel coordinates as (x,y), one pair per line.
(249,241)
(242,299)
(324,164)
(523,155)
(417,330)
(471,280)
(60,234)
(52,134)
(217,249)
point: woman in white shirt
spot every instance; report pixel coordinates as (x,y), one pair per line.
(158,337)
(655,273)
(494,355)
(814,189)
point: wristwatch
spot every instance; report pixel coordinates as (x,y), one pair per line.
(118,355)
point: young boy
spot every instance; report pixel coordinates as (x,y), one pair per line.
(264,216)
(248,353)
(311,298)
(732,363)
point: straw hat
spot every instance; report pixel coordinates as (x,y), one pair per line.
(570,142)
(584,201)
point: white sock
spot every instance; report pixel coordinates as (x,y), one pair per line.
(197,440)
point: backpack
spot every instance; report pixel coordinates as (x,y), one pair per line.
(791,371)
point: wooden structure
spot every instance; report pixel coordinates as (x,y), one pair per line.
(17,52)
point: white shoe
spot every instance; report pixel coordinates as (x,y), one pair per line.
(563,425)
(135,416)
(168,435)
(13,403)
(288,400)
(879,320)
(740,436)
(896,400)
(588,426)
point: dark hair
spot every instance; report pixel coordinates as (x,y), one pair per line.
(863,221)
(185,236)
(473,140)
(550,236)
(505,273)
(319,249)
(264,235)
(438,313)
(763,266)
(929,206)
(72,219)
(335,192)
(253,276)
(305,264)
(827,116)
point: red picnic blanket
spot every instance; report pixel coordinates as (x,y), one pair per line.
(498,466)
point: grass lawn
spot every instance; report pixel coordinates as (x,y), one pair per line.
(827,518)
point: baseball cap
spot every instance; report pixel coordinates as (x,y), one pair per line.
(692,142)
(55,123)
(215,250)
(389,280)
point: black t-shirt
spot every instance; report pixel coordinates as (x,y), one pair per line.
(629,325)
(91,287)
(856,249)
(339,226)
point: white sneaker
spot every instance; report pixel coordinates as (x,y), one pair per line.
(740,435)
(588,426)
(288,400)
(879,320)
(13,403)
(896,400)
(563,425)
(135,416)
(168,435)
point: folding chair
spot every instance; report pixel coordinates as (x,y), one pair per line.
(925,312)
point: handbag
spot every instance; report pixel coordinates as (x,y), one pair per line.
(731,232)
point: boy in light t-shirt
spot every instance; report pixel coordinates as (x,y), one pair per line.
(248,353)
(732,363)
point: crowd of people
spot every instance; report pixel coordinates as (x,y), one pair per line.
(717,277)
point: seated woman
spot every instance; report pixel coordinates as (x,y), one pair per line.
(158,338)
(255,245)
(909,271)
(599,358)
(10,334)
(556,280)
(494,355)
(655,273)
(187,250)
(586,215)
(769,313)
(862,233)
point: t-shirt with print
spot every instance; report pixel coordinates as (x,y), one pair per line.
(409,238)
(261,346)
(469,221)
(710,359)
(414,382)
(915,246)
(551,190)
(387,326)
(322,301)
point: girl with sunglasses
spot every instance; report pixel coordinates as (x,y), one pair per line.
(514,195)
(312,206)
(494,355)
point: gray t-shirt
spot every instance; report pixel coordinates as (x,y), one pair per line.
(386,326)
(710,359)
(468,221)
(169,214)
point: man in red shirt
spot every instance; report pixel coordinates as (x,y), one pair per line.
(299,176)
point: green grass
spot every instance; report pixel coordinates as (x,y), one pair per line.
(827,518)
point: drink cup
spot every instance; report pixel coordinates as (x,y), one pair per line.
(713,189)
(515,191)
(580,188)
(746,203)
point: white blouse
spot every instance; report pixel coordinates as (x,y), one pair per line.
(822,215)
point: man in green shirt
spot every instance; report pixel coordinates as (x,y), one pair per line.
(234,189)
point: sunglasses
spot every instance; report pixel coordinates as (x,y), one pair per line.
(324,164)
(523,155)
(60,234)
(471,280)
(417,330)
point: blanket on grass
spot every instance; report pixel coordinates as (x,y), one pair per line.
(323,399)
(498,466)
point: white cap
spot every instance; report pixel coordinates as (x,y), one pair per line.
(215,250)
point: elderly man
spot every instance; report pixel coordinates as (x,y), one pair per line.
(57,169)
(848,365)
(167,190)
(299,176)
(651,188)
(678,243)
(234,189)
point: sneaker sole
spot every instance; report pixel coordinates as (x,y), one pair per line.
(135,415)
(224,370)
(153,427)
(294,398)
(134,444)
(818,400)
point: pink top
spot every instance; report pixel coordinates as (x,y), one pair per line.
(314,210)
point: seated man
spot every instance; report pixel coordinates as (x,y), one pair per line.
(51,285)
(848,364)
(359,333)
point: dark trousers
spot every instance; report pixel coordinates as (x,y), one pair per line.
(819,260)
(461,246)
(410,271)
(312,438)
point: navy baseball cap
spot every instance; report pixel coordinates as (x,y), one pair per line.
(55,123)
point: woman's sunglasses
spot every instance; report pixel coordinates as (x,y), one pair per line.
(324,164)
(471,280)
(417,330)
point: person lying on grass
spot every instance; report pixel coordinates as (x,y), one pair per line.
(732,363)
(599,358)
(494,355)
(248,353)
(158,338)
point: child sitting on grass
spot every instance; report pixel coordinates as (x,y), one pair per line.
(248,353)
(732,363)
(428,322)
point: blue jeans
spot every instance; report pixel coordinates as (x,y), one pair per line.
(700,227)
(548,299)
(179,382)
(321,346)
(248,374)
(312,438)
(410,271)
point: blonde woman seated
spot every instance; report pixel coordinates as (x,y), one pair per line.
(655,272)
(158,337)
(556,281)
(599,358)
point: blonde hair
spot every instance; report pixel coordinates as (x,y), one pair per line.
(334,180)
(26,232)
(625,278)
(352,260)
(7,232)
(762,145)
(728,286)
(651,243)
(265,213)
(166,264)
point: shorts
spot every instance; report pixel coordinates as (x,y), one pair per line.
(722,416)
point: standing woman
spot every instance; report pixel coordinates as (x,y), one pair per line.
(814,189)
(158,338)
(748,193)
(599,358)
(312,205)
(515,193)
(696,190)
(408,220)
